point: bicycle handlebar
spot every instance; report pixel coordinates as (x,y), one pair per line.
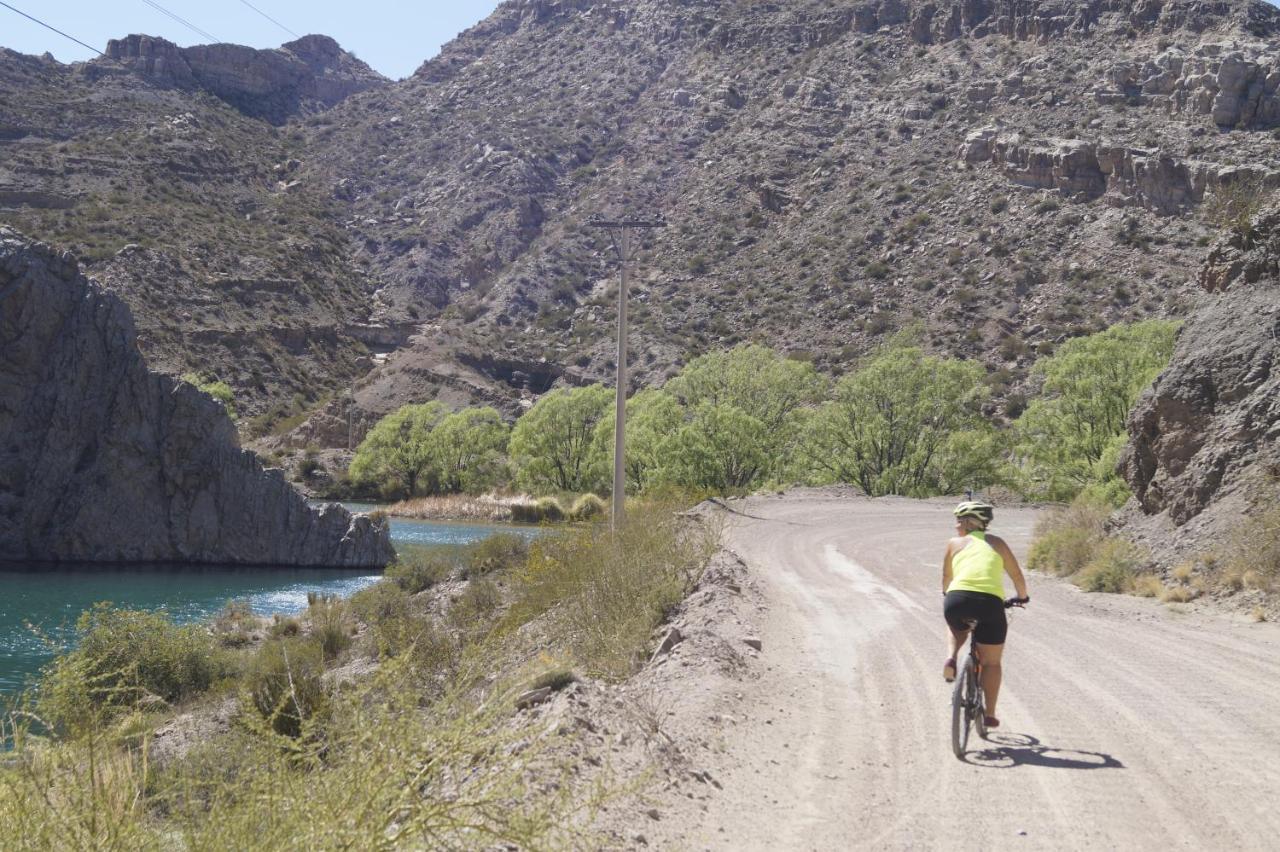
(1018,602)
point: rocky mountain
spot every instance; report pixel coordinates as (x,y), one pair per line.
(192,212)
(303,76)
(998,175)
(1205,438)
(102,460)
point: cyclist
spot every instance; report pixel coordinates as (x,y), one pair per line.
(973,585)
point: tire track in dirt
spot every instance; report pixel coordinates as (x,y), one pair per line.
(1126,724)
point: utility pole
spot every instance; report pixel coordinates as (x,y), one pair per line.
(620,232)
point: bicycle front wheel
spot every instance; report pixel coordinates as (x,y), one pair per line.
(960,712)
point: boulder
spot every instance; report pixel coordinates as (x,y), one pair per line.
(102,460)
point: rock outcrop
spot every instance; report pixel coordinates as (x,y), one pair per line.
(1124,176)
(1234,84)
(306,75)
(1208,429)
(102,460)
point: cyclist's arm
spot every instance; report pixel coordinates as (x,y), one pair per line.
(946,569)
(1010,565)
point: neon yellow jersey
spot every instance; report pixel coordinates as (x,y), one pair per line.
(977,568)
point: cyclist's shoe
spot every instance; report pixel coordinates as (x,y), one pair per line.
(949,670)
(991,721)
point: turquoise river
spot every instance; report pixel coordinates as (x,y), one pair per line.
(40,604)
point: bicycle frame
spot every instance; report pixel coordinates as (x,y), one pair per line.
(968,701)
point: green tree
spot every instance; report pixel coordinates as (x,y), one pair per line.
(1069,437)
(719,448)
(551,444)
(398,455)
(905,423)
(470,448)
(753,378)
(772,394)
(653,415)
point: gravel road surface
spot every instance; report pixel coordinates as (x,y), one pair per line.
(1126,723)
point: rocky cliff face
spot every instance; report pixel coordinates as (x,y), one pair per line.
(300,77)
(1206,435)
(102,460)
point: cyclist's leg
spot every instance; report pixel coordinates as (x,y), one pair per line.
(991,672)
(955,611)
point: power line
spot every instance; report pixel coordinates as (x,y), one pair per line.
(48,27)
(271,19)
(182,21)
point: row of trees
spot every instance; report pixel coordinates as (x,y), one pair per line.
(904,422)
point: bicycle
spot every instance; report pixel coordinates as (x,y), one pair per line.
(968,702)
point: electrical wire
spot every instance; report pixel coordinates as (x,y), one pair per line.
(182,21)
(48,27)
(271,19)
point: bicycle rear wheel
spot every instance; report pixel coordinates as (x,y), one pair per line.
(960,711)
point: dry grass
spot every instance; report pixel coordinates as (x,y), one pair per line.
(1178,594)
(421,754)
(606,591)
(1255,551)
(457,507)
(1148,586)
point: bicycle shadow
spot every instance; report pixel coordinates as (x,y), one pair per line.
(1008,750)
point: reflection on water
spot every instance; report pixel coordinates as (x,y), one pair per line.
(39,604)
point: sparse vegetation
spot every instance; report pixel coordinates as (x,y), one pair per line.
(421,753)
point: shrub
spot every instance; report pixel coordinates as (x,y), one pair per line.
(330,626)
(586,507)
(542,510)
(557,678)
(479,600)
(415,571)
(1148,586)
(1062,552)
(1113,567)
(233,624)
(284,685)
(1255,549)
(282,627)
(500,551)
(1067,538)
(609,590)
(1178,594)
(125,657)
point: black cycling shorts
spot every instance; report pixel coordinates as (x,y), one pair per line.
(960,606)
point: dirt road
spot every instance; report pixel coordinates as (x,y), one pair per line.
(1127,724)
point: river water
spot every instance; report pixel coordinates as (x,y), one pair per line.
(39,605)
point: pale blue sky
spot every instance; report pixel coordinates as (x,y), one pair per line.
(393,37)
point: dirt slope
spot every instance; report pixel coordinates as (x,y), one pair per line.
(1126,724)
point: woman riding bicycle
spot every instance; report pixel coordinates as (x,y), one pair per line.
(973,582)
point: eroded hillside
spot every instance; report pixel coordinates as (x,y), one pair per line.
(1002,175)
